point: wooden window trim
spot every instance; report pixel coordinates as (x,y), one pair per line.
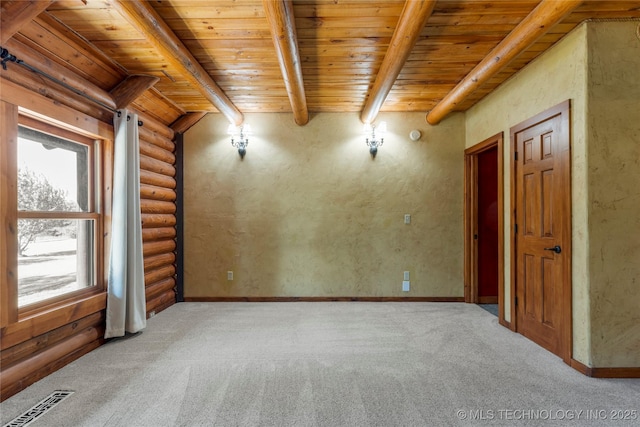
(35,324)
(8,200)
(57,215)
(14,101)
(94,155)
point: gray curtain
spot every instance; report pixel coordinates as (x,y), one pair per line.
(126,305)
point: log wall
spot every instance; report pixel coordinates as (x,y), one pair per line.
(33,347)
(158,207)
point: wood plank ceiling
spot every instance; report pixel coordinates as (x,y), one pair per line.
(341,46)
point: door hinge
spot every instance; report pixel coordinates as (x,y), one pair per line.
(516,301)
(475,237)
(515,156)
(515,228)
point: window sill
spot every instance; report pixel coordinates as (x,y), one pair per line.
(37,323)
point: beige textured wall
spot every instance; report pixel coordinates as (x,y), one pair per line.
(554,77)
(614,193)
(309,213)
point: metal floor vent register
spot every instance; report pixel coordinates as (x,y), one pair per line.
(40,409)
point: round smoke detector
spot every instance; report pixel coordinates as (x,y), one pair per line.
(415,135)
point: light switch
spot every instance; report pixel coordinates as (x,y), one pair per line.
(407,218)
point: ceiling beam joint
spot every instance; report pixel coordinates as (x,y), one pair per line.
(146,20)
(131,88)
(184,122)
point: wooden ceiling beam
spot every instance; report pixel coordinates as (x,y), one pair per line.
(282,23)
(184,123)
(146,20)
(15,14)
(131,88)
(412,20)
(531,28)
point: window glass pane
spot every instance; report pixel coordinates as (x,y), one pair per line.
(52,173)
(56,256)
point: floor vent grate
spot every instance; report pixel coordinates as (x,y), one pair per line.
(40,409)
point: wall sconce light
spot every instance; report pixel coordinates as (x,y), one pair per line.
(375,136)
(239,137)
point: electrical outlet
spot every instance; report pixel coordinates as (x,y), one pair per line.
(229,275)
(407,218)
(152,313)
(406,275)
(406,285)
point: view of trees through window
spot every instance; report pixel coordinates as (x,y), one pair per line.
(38,194)
(55,243)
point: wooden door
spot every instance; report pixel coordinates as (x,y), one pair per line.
(543,281)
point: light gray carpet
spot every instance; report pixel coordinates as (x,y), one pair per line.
(326,364)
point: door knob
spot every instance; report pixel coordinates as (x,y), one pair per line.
(557,249)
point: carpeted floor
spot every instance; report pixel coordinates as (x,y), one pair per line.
(327,364)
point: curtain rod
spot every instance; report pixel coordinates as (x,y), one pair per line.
(6,56)
(140,123)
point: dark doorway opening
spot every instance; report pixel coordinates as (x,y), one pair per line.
(487,231)
(484,253)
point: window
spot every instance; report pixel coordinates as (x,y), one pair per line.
(58,214)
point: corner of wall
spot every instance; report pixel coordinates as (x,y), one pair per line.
(613,154)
